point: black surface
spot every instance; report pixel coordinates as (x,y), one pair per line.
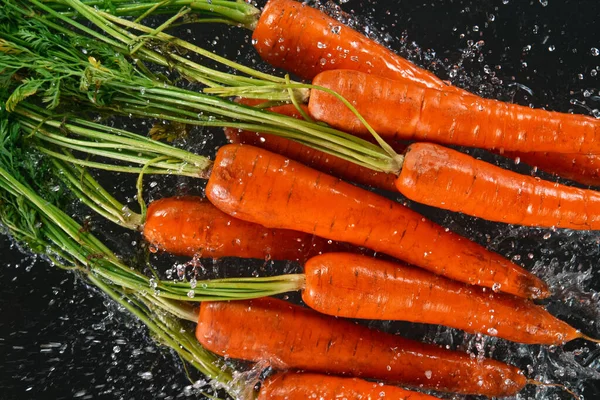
(58,340)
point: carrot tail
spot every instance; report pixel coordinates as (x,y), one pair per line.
(261,187)
(192,226)
(582,168)
(302,386)
(451,180)
(305,41)
(290,336)
(354,286)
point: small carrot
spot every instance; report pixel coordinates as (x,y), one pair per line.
(192,226)
(445,178)
(290,336)
(355,286)
(307,155)
(303,386)
(582,168)
(299,38)
(261,187)
(404,110)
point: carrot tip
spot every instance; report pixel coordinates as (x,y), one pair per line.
(557,385)
(591,339)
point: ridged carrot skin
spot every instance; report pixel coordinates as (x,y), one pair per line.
(304,40)
(446,178)
(308,156)
(404,110)
(303,386)
(192,226)
(582,168)
(265,188)
(290,336)
(354,286)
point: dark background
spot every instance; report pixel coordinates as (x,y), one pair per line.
(61,340)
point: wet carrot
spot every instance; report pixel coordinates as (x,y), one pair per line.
(192,226)
(290,336)
(582,168)
(307,155)
(355,286)
(300,51)
(265,188)
(445,178)
(404,110)
(304,40)
(303,386)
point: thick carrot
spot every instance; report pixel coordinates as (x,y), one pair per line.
(404,110)
(192,226)
(582,168)
(355,286)
(303,386)
(307,155)
(261,187)
(290,336)
(446,178)
(298,38)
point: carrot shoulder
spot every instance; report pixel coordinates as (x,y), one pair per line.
(303,386)
(446,178)
(191,226)
(305,41)
(354,286)
(405,110)
(308,156)
(265,188)
(290,336)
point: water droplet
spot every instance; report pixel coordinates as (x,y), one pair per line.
(428,374)
(336,29)
(551,47)
(321,45)
(595,52)
(145,375)
(544,3)
(191,294)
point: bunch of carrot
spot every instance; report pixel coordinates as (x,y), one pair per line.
(281,209)
(402,101)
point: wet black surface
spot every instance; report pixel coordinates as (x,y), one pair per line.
(58,339)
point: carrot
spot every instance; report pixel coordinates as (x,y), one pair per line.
(446,178)
(298,38)
(404,110)
(307,155)
(355,286)
(303,386)
(261,187)
(192,226)
(582,168)
(290,336)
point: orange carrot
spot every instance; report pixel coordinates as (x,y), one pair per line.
(290,336)
(404,110)
(261,187)
(300,51)
(303,386)
(307,155)
(582,168)
(192,226)
(446,178)
(355,286)
(298,38)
